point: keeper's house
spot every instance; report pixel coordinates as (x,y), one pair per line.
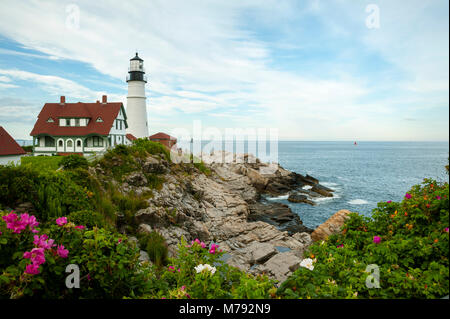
(10,151)
(83,128)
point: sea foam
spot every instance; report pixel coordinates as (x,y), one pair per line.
(358,202)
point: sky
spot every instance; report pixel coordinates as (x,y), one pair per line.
(310,70)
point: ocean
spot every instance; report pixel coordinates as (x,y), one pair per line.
(361,175)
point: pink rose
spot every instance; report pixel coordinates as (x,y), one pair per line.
(61,221)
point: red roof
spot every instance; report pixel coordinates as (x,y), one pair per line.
(162,136)
(8,146)
(106,111)
(131,137)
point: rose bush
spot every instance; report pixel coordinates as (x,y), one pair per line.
(33,260)
(408,241)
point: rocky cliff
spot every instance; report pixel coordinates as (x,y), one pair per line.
(225,206)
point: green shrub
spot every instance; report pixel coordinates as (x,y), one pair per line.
(144,146)
(155,246)
(88,218)
(182,277)
(51,193)
(73,161)
(108,266)
(412,253)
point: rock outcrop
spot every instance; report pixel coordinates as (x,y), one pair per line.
(332,226)
(226,207)
(299,198)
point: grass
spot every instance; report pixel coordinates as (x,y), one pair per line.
(42,163)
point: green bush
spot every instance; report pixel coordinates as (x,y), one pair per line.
(73,161)
(183,277)
(144,146)
(88,218)
(51,193)
(408,241)
(108,265)
(155,246)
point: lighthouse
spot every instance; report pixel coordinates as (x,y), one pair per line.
(136,100)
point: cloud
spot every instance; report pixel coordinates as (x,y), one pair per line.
(304,67)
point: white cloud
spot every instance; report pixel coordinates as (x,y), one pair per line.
(200,58)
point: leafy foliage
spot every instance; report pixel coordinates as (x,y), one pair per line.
(52,193)
(182,278)
(107,263)
(412,254)
(155,246)
(88,218)
(73,161)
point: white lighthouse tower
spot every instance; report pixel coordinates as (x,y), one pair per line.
(136,100)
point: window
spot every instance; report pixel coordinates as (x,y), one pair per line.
(67,122)
(117,124)
(99,120)
(121,125)
(69,143)
(77,122)
(79,143)
(50,120)
(97,141)
(60,143)
(49,141)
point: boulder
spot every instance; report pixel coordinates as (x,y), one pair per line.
(261,252)
(277,214)
(303,238)
(143,256)
(308,192)
(281,265)
(333,225)
(257,180)
(307,180)
(312,179)
(322,190)
(136,179)
(299,198)
(153,165)
(144,228)
(276,188)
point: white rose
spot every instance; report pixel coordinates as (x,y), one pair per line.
(307,263)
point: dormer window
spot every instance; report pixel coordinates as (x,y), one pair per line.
(99,120)
(50,120)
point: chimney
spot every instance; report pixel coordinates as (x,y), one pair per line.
(97,101)
(62,100)
(104,99)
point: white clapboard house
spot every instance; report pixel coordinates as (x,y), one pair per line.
(84,128)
